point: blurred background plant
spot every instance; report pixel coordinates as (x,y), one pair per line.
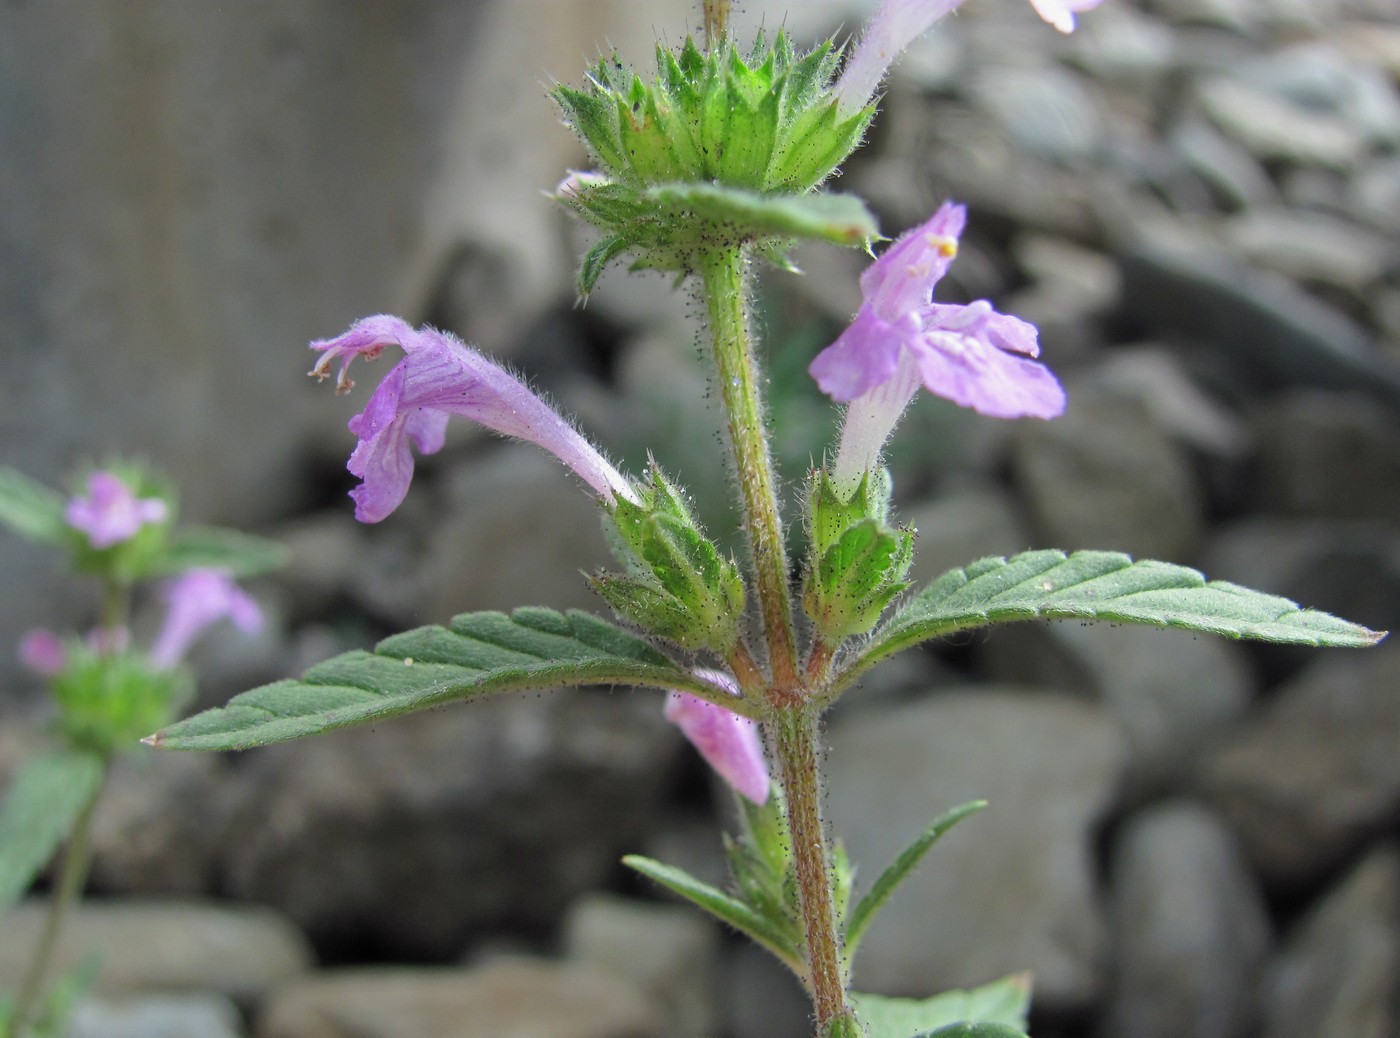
(118,529)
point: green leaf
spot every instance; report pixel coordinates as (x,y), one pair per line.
(31,509)
(478,654)
(723,906)
(242,554)
(1100,585)
(1001,1005)
(838,218)
(898,871)
(975,1031)
(38,813)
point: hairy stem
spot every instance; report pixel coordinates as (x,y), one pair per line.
(794,738)
(722,272)
(716,20)
(72,876)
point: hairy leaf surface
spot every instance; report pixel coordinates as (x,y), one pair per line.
(478,654)
(38,811)
(993,1010)
(1101,585)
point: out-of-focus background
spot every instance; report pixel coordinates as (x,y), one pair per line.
(1198,202)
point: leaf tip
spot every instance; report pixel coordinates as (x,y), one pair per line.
(156,739)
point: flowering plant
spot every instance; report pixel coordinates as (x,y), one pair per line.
(118,528)
(713,164)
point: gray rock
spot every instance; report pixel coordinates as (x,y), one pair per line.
(1328,455)
(762,999)
(1190,929)
(1047,112)
(507,527)
(413,835)
(1009,889)
(239,951)
(1275,129)
(1266,328)
(1174,693)
(1318,78)
(1336,975)
(1312,248)
(959,527)
(1103,476)
(1350,568)
(166,1016)
(1374,195)
(525,998)
(1236,177)
(1155,379)
(670,952)
(161,824)
(1315,775)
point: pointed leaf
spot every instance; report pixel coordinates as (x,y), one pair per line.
(479,654)
(1001,1004)
(899,870)
(31,509)
(842,219)
(38,813)
(975,1031)
(242,554)
(1101,585)
(723,906)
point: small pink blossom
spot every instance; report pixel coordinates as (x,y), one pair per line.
(43,652)
(1060,13)
(900,339)
(440,376)
(195,600)
(729,743)
(110,513)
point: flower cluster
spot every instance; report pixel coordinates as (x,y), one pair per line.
(110,512)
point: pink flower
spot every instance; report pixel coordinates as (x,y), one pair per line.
(898,23)
(194,600)
(440,376)
(110,513)
(729,743)
(900,339)
(43,652)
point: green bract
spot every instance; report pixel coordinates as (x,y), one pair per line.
(108,701)
(678,586)
(763,120)
(857,561)
(716,151)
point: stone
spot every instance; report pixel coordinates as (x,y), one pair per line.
(1267,329)
(518,997)
(961,526)
(1104,476)
(1175,694)
(1314,776)
(1349,568)
(1010,888)
(1236,178)
(762,999)
(1155,379)
(164,1016)
(669,952)
(1047,112)
(413,837)
(160,825)
(1327,454)
(1312,248)
(1190,928)
(507,527)
(1374,194)
(1275,129)
(241,951)
(1336,974)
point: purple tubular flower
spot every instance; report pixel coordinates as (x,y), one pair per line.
(898,23)
(900,339)
(729,743)
(194,600)
(110,513)
(440,376)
